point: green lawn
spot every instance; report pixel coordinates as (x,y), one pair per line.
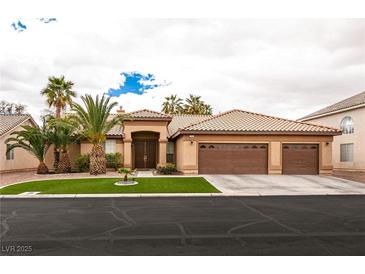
(106,185)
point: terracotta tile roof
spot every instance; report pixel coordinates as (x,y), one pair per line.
(244,122)
(180,121)
(115,131)
(149,114)
(352,101)
(10,121)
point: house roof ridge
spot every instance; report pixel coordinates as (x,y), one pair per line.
(149,110)
(208,119)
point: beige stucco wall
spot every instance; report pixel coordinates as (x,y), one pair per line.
(138,126)
(187,149)
(357,138)
(23,160)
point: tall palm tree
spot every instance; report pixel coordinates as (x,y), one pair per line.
(94,121)
(172,105)
(63,133)
(59,94)
(34,140)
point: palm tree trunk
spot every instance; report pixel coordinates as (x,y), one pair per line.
(64,166)
(42,168)
(97,160)
(56,154)
(58,111)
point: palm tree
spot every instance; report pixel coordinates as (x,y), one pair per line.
(172,105)
(206,109)
(62,134)
(194,105)
(95,122)
(59,94)
(34,140)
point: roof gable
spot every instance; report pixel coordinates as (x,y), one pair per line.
(353,101)
(244,122)
(10,121)
(146,114)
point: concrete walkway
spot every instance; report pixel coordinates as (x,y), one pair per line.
(284,185)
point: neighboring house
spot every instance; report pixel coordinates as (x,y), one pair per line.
(232,142)
(17,159)
(349,148)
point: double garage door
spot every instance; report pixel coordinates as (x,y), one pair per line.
(217,158)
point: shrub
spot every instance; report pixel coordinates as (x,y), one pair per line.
(126,172)
(82,163)
(168,168)
(113,160)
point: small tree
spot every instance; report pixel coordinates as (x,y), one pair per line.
(126,172)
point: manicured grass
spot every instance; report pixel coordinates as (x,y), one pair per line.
(106,185)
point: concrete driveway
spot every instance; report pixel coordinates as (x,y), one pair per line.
(284,185)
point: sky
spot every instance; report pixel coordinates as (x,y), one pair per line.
(282,67)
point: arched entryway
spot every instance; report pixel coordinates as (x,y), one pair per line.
(145,149)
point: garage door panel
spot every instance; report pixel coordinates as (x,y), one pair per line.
(233,158)
(301,159)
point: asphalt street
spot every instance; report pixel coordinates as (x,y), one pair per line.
(270,225)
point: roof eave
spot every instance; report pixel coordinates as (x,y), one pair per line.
(222,132)
(29,118)
(330,113)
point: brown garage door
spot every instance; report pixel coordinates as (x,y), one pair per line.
(300,159)
(233,158)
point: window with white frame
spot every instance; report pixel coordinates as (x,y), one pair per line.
(347,152)
(347,125)
(110,146)
(10,153)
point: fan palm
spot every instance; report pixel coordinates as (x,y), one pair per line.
(59,94)
(194,105)
(94,121)
(34,140)
(172,105)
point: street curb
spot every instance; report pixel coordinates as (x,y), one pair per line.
(166,195)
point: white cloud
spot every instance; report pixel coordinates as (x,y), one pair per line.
(280,67)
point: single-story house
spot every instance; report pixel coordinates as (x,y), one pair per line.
(17,159)
(348,150)
(233,142)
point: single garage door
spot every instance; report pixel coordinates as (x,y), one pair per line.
(300,159)
(233,158)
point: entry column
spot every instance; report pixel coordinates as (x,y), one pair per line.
(127,153)
(162,144)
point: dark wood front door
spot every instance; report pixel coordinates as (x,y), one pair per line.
(233,158)
(145,153)
(300,159)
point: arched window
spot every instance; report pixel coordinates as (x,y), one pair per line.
(347,125)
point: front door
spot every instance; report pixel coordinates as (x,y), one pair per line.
(145,153)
